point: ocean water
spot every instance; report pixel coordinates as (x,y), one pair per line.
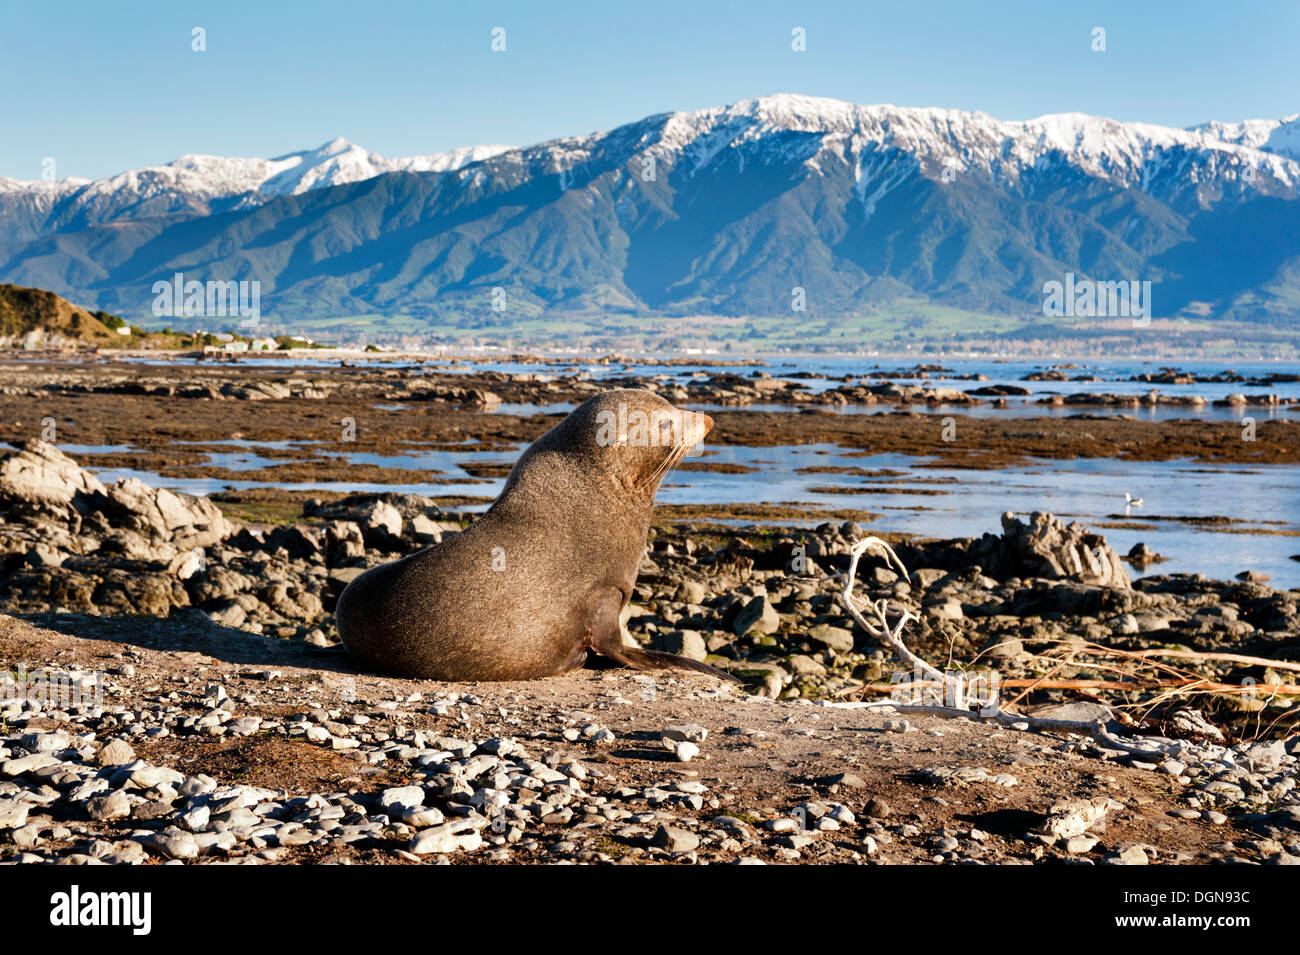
(1261,503)
(1115,375)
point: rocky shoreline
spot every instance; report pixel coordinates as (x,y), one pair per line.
(470,387)
(219,746)
(749,599)
(233,728)
(158,588)
(364,424)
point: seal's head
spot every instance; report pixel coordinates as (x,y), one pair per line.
(623,441)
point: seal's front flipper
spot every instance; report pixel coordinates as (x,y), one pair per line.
(605,636)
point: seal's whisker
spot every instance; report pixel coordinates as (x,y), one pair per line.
(671,461)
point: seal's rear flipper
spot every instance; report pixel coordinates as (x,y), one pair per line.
(657,660)
(604,634)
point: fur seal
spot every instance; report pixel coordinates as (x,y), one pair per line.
(543,575)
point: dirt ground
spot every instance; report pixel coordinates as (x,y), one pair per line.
(794,753)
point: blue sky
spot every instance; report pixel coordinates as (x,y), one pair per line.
(102,87)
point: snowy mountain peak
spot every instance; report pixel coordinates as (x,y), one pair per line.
(334,147)
(1281,136)
(206,177)
(883,144)
(1173,164)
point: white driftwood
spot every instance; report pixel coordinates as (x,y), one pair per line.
(991,710)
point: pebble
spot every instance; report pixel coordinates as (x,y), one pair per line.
(1077,845)
(13,813)
(683,751)
(402,797)
(107,808)
(689,732)
(173,844)
(491,793)
(876,808)
(450,837)
(675,839)
(1130,855)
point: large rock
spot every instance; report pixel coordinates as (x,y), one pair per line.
(756,617)
(39,474)
(1048,548)
(70,542)
(185,521)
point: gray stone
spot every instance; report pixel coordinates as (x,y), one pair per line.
(1129,855)
(116,752)
(107,808)
(686,643)
(173,844)
(833,638)
(691,732)
(26,764)
(402,797)
(13,813)
(675,840)
(458,836)
(756,617)
(691,592)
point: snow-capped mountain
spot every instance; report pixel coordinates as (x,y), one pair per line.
(1172,165)
(1281,136)
(717,210)
(199,183)
(1162,161)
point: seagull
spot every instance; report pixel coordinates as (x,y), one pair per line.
(1131,501)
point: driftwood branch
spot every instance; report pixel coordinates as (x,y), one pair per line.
(1117,686)
(955,705)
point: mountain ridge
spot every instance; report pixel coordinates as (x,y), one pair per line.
(726,211)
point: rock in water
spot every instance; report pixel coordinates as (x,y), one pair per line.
(38,477)
(1047,547)
(39,474)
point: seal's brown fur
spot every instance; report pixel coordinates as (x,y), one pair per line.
(542,577)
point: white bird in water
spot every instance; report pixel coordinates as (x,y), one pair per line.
(1131,501)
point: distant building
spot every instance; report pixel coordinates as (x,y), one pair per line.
(265,344)
(124,329)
